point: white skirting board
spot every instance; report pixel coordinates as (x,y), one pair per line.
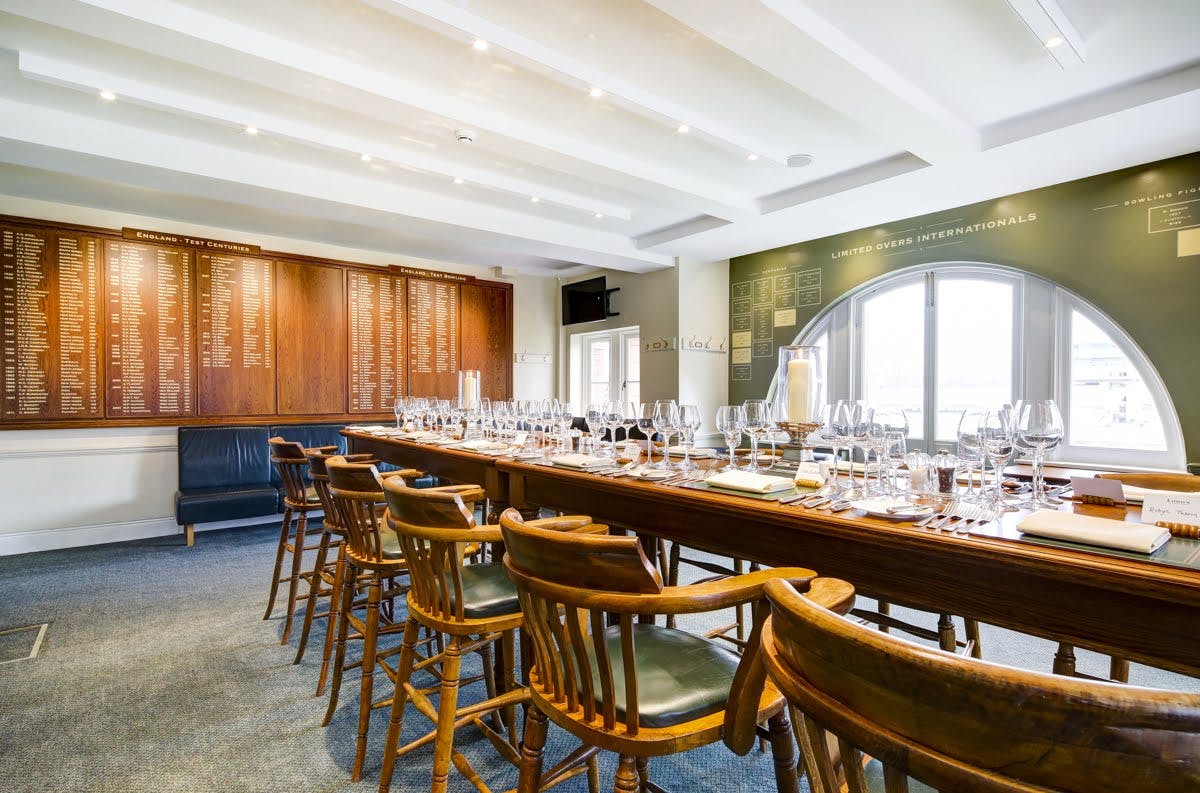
(74,536)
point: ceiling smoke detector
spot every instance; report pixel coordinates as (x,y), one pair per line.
(799,160)
(464,135)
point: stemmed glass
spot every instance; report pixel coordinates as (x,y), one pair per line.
(996,439)
(612,419)
(500,416)
(564,425)
(645,423)
(856,420)
(594,418)
(970,450)
(398,409)
(731,422)
(833,432)
(629,417)
(666,423)
(889,439)
(1039,429)
(760,420)
(689,421)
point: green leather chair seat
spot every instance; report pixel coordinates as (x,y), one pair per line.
(389,544)
(487,592)
(680,677)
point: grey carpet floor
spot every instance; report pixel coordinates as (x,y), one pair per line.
(158,673)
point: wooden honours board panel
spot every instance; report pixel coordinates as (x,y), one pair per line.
(432,337)
(148,344)
(310,320)
(49,324)
(236,373)
(486,312)
(377,322)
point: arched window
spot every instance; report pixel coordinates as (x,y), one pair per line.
(939,339)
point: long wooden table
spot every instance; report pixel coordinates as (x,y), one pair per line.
(1139,610)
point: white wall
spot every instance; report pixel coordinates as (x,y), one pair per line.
(85,486)
(704,317)
(535,337)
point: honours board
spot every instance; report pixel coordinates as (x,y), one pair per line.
(49,325)
(99,328)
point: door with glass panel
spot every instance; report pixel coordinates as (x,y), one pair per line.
(611,366)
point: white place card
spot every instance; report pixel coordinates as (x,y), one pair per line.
(1171,508)
(520,438)
(1097,488)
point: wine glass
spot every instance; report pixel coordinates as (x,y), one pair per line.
(398,409)
(857,422)
(760,420)
(833,433)
(629,417)
(689,421)
(594,418)
(645,423)
(970,450)
(996,439)
(1039,429)
(564,424)
(612,419)
(731,422)
(889,439)
(666,422)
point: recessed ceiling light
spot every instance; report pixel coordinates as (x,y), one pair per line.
(595,92)
(683,129)
(366,158)
(599,216)
(1054,41)
(458,180)
(480,45)
(251,130)
(534,199)
(751,157)
(108,96)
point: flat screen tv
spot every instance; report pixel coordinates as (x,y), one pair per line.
(584,301)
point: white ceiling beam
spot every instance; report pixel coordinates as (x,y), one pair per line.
(220,31)
(795,44)
(584,73)
(172,99)
(123,145)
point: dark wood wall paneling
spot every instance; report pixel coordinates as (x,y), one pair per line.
(99,330)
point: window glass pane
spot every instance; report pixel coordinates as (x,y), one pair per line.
(598,393)
(598,361)
(1110,404)
(974,348)
(633,360)
(893,348)
(633,392)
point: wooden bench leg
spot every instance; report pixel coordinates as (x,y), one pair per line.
(189,534)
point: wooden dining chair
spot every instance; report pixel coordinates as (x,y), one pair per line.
(874,711)
(299,498)
(638,689)
(1118,669)
(475,607)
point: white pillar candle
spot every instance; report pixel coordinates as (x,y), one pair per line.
(470,395)
(799,390)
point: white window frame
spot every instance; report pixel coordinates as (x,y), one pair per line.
(1041,320)
(581,343)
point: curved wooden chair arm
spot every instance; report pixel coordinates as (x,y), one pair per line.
(576,524)
(326,450)
(693,599)
(406,473)
(741,714)
(468,493)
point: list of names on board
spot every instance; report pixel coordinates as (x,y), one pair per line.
(236,347)
(149,339)
(377,325)
(49,301)
(433,328)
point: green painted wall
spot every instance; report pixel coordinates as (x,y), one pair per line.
(1127,241)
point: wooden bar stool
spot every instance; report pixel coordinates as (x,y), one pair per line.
(636,688)
(474,606)
(299,498)
(373,557)
(876,712)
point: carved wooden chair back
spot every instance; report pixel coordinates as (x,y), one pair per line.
(356,496)
(963,724)
(435,526)
(290,460)
(568,583)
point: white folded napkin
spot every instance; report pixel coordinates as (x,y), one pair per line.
(419,436)
(1136,495)
(581,461)
(807,479)
(1107,533)
(696,454)
(482,445)
(749,482)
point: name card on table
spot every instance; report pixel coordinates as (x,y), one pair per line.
(1097,488)
(1171,508)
